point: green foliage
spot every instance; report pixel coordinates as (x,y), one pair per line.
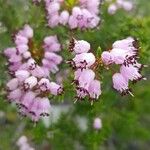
(126,121)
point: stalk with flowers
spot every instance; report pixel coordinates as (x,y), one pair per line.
(72,67)
(30,65)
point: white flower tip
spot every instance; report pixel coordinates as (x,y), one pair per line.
(131,94)
(75,101)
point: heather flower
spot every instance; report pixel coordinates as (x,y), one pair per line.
(80,14)
(12,84)
(131,73)
(94,89)
(81,46)
(31,83)
(84,76)
(44,84)
(23,144)
(21,75)
(55,88)
(51,44)
(83,60)
(27,99)
(112,9)
(15,95)
(123,52)
(120,83)
(97,124)
(107,58)
(126,5)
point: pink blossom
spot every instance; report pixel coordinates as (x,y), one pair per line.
(81,46)
(107,58)
(44,84)
(30,82)
(64,17)
(55,89)
(94,89)
(120,83)
(83,60)
(28,99)
(97,124)
(112,9)
(15,95)
(22,75)
(12,84)
(86,77)
(84,15)
(131,73)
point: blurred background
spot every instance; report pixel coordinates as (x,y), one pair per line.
(125,120)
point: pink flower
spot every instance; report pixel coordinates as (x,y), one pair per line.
(107,58)
(22,75)
(27,32)
(84,15)
(44,106)
(81,46)
(13,84)
(28,99)
(30,82)
(83,60)
(55,89)
(22,48)
(131,73)
(39,72)
(23,144)
(86,77)
(31,64)
(112,9)
(126,5)
(44,84)
(15,95)
(26,55)
(64,17)
(51,44)
(120,83)
(19,39)
(126,44)
(51,61)
(10,51)
(97,124)
(94,89)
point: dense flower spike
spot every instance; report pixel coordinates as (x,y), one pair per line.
(84,76)
(31,83)
(126,5)
(125,53)
(76,14)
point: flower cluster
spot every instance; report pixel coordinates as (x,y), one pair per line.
(23,144)
(124,53)
(76,13)
(84,76)
(30,84)
(127,5)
